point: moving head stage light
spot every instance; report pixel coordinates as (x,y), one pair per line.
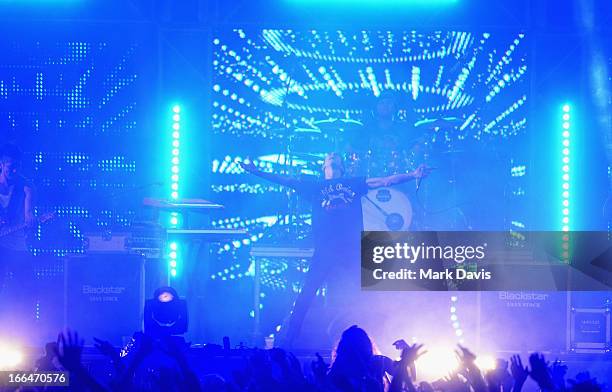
(165,314)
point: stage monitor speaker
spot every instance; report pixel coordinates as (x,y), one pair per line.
(104,295)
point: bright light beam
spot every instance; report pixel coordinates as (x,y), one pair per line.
(10,357)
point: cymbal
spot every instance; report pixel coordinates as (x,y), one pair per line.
(438,122)
(294,158)
(453,152)
(447,155)
(192,204)
(306,130)
(305,156)
(281,131)
(337,124)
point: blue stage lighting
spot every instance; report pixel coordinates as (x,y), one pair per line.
(565,178)
(174,185)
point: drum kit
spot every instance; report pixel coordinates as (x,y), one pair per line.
(371,153)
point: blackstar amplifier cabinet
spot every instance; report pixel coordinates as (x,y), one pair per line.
(104,295)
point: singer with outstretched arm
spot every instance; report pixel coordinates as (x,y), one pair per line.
(337,223)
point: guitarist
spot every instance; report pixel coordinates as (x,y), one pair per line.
(336,224)
(16,199)
(16,264)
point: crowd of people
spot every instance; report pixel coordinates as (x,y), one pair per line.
(154,364)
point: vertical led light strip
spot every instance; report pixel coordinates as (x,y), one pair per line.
(173,247)
(565,182)
(565,168)
(454,318)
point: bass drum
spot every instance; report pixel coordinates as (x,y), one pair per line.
(386,209)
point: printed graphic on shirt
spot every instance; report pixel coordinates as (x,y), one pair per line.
(337,196)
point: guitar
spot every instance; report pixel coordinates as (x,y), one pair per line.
(4,232)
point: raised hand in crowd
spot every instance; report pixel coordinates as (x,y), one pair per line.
(259,373)
(140,347)
(177,349)
(468,368)
(47,362)
(107,349)
(558,371)
(452,383)
(289,372)
(467,359)
(493,381)
(540,372)
(519,373)
(319,370)
(402,380)
(499,379)
(411,353)
(401,345)
(425,387)
(354,368)
(69,351)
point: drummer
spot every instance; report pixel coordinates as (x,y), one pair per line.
(384,114)
(386,141)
